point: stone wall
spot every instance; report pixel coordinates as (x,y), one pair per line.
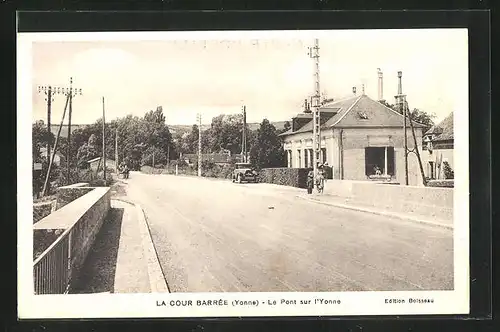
(69,193)
(429,202)
(43,209)
(84,217)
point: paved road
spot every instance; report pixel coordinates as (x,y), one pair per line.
(216,236)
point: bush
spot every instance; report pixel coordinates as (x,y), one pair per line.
(85,175)
(209,169)
(448,172)
(294,177)
(441,183)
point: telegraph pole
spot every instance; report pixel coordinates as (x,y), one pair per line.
(244,138)
(314,54)
(116,149)
(44,190)
(49,91)
(71,93)
(400,100)
(168,155)
(199,144)
(103,140)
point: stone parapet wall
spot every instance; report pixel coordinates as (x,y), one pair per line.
(428,202)
(68,194)
(77,223)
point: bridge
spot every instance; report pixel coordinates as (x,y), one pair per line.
(187,234)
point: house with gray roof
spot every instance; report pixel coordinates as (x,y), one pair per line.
(439,144)
(361,139)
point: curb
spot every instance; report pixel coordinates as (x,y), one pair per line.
(156,277)
(392,215)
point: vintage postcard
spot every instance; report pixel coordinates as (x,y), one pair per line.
(257,173)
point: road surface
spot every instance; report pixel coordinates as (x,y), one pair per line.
(217,236)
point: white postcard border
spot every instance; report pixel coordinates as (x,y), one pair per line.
(159,305)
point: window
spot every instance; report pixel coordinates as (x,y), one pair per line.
(430,172)
(306,159)
(290,158)
(299,159)
(379,160)
(323,155)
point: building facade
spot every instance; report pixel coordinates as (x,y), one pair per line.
(361,139)
(439,147)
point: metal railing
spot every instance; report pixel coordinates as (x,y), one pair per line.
(52,269)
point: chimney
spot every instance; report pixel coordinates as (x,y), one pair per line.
(380,85)
(400,86)
(354,90)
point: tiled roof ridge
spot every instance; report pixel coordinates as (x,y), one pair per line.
(348,110)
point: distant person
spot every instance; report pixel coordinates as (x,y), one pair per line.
(126,171)
(320,179)
(310,182)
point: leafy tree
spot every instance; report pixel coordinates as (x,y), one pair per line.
(225,133)
(268,150)
(86,152)
(415,115)
(40,138)
(156,116)
(287,126)
(155,154)
(448,171)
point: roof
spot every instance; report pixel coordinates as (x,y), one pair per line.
(357,111)
(443,130)
(93,160)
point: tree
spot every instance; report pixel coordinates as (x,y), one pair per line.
(153,154)
(156,116)
(268,150)
(415,115)
(40,138)
(86,152)
(287,126)
(225,133)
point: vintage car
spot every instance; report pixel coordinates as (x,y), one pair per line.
(244,172)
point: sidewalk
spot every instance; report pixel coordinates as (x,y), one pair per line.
(346,203)
(122,259)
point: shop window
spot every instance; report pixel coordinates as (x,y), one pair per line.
(379,160)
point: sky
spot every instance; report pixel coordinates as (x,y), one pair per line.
(270,73)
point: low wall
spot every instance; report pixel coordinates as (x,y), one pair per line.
(285,176)
(78,223)
(43,209)
(69,193)
(429,202)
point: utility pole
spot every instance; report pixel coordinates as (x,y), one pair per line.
(400,100)
(314,54)
(103,140)
(199,144)
(168,155)
(44,190)
(49,91)
(116,149)
(244,138)
(71,93)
